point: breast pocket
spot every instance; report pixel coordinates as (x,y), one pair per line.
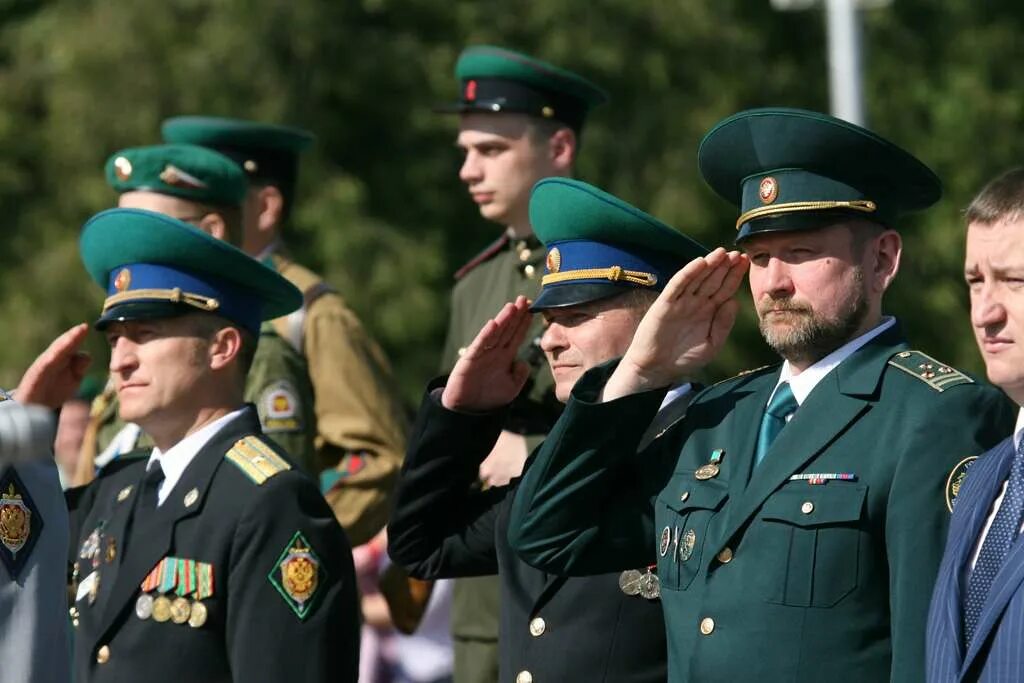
(683,512)
(815,531)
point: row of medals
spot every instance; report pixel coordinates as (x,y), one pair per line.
(179,610)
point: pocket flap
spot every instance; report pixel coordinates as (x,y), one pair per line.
(685,492)
(808,505)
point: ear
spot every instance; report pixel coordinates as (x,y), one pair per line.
(271,207)
(562,149)
(214,224)
(887,251)
(225,347)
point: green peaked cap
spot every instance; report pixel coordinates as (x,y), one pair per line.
(155,266)
(495,79)
(791,169)
(181,170)
(265,151)
(599,245)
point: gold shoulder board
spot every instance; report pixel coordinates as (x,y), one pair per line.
(256,459)
(935,374)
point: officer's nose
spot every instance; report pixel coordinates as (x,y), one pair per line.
(987,309)
(123,355)
(471,171)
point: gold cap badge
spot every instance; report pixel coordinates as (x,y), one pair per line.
(769,190)
(123,280)
(250,166)
(554,260)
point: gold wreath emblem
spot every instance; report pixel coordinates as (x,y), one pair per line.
(298,574)
(769,190)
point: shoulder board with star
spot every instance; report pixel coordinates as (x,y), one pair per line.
(257,459)
(935,374)
(491,249)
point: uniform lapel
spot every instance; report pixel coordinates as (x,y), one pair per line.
(839,399)
(153,535)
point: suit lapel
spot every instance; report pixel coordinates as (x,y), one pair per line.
(838,400)
(153,533)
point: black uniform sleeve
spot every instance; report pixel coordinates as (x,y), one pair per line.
(293,613)
(443,525)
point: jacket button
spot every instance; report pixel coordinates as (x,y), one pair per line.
(524,677)
(537,627)
(807,508)
(103,655)
(707,625)
(529,271)
(725,557)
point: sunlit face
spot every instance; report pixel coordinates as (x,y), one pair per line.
(158,366)
(809,290)
(502,162)
(175,207)
(579,337)
(994,269)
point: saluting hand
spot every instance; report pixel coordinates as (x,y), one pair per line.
(684,328)
(55,374)
(488,375)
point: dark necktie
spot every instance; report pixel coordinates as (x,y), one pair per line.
(145,502)
(1001,535)
(782,405)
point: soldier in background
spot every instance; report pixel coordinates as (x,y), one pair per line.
(519,121)
(360,439)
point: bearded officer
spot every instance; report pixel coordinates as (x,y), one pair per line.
(211,555)
(798,513)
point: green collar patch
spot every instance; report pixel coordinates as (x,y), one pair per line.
(298,575)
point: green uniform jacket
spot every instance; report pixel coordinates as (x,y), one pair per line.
(776,579)
(503,271)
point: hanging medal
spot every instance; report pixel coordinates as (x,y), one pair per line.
(712,467)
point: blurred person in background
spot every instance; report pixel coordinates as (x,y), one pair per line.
(71,428)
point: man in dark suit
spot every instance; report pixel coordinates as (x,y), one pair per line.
(797,513)
(606,261)
(976,624)
(211,558)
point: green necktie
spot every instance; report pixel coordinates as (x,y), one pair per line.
(782,405)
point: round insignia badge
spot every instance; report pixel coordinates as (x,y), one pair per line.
(686,545)
(198,616)
(250,166)
(554,260)
(161,609)
(707,471)
(181,609)
(15,520)
(666,540)
(144,606)
(769,190)
(123,280)
(280,408)
(956,479)
(122,168)
(629,581)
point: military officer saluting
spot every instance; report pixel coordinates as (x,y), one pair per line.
(360,421)
(210,556)
(207,189)
(606,261)
(798,513)
(520,119)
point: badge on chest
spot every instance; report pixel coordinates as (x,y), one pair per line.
(174,592)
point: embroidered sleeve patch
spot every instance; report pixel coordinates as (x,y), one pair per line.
(279,408)
(256,459)
(955,480)
(20,522)
(298,576)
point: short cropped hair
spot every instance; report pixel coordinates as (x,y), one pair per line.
(1001,200)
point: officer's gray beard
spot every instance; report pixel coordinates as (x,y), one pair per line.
(809,337)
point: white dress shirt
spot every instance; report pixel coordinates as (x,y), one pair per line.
(178,456)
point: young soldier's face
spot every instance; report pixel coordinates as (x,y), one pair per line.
(502,162)
(158,366)
(994,269)
(579,337)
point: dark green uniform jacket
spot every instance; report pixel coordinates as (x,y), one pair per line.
(553,628)
(769,577)
(283,605)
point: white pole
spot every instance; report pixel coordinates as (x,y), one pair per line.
(844,60)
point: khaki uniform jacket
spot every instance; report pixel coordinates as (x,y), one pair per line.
(768,576)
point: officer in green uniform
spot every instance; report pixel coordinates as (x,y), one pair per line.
(210,555)
(360,421)
(207,189)
(519,121)
(798,513)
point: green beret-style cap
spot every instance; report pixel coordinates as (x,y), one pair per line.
(790,169)
(600,246)
(265,151)
(186,171)
(155,266)
(493,79)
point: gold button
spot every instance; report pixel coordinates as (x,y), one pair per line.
(524,677)
(725,557)
(461,351)
(707,625)
(807,508)
(537,627)
(103,655)
(529,271)
(524,254)
(682,498)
